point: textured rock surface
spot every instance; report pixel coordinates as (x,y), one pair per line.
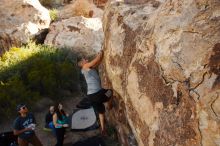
(100,3)
(84,8)
(84,35)
(20,20)
(55,3)
(162,60)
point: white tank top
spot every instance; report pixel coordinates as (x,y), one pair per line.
(93,80)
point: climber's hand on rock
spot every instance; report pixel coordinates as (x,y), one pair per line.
(101,52)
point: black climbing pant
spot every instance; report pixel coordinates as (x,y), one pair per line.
(60,136)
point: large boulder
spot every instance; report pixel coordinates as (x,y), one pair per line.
(162,60)
(80,34)
(21,20)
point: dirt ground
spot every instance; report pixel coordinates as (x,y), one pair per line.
(48,139)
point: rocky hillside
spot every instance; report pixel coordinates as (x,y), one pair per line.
(162,60)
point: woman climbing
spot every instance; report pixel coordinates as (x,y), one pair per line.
(96,94)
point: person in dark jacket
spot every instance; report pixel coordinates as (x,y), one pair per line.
(24,126)
(49,117)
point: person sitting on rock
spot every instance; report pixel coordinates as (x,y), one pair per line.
(96,94)
(49,117)
(49,120)
(24,126)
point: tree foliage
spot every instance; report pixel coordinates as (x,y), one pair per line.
(32,72)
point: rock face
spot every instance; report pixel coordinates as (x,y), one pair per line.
(82,35)
(162,59)
(20,20)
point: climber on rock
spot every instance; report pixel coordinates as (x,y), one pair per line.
(96,94)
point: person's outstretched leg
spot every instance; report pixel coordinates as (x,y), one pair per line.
(102,122)
(22,142)
(35,141)
(51,126)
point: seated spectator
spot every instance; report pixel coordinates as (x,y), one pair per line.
(49,117)
(49,121)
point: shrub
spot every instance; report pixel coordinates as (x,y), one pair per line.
(32,72)
(53,14)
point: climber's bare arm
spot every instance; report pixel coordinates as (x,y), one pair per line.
(94,62)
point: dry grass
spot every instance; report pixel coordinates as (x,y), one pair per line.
(82,8)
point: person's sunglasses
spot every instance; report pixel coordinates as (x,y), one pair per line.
(24,107)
